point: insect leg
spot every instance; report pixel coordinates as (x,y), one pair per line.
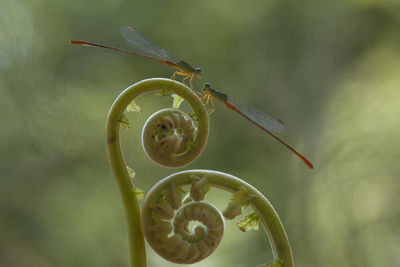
(191,80)
(178,73)
(174,75)
(211,111)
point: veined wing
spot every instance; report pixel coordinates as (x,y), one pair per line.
(258,117)
(265,122)
(140,42)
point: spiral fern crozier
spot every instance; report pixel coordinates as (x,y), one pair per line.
(171,138)
(169,235)
(172,239)
(168,135)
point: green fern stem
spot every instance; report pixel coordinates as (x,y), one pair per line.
(129,199)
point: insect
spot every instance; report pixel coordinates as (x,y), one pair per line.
(265,122)
(146,48)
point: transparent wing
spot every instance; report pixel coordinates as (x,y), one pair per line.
(258,117)
(144,45)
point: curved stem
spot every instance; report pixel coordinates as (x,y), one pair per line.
(269,217)
(129,199)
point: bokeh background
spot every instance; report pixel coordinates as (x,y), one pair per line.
(329,69)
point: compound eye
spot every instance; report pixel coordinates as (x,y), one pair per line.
(198,70)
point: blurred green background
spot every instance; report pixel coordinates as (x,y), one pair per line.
(329,69)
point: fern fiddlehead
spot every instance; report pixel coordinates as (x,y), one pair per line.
(168,138)
(171,139)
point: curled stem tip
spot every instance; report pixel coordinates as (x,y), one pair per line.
(167,212)
(181,129)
